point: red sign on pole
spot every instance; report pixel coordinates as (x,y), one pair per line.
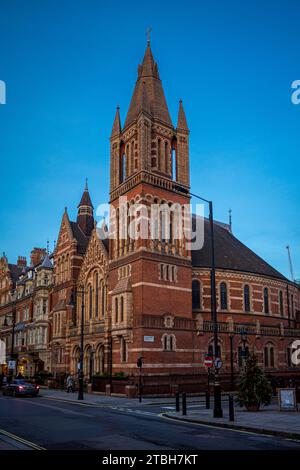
(208,361)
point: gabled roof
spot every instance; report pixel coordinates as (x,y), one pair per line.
(230,253)
(148,77)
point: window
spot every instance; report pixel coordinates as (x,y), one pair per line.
(281,310)
(195,294)
(174,169)
(247,298)
(292,306)
(123,350)
(122,310)
(169,342)
(210,351)
(116,311)
(269,356)
(91,302)
(266,300)
(123,168)
(223,295)
(97,295)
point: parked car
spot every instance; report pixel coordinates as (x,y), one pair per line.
(19,387)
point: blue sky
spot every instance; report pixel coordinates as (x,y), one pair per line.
(67,64)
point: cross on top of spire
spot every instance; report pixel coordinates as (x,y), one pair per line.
(148,32)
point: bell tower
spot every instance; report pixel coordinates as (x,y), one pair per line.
(150,275)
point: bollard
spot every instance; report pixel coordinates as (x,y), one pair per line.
(184,403)
(207,400)
(231,408)
(177,395)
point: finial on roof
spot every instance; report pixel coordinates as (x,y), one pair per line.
(86,185)
(230,219)
(47,247)
(148,35)
(66,209)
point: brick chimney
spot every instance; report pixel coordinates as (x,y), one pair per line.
(22,261)
(36,255)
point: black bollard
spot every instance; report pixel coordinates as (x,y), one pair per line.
(231,408)
(184,403)
(207,400)
(177,401)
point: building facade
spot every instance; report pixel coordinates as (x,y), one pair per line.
(150,296)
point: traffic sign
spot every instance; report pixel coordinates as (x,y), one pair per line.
(218,363)
(208,361)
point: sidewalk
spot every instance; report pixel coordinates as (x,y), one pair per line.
(106,400)
(268,420)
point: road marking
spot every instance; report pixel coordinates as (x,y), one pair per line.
(161,415)
(21,440)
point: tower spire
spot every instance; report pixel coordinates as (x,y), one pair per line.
(85,217)
(116,128)
(181,121)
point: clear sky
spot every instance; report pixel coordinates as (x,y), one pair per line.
(67,64)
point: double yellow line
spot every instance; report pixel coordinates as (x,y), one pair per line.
(32,445)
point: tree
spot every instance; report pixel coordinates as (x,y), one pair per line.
(253,389)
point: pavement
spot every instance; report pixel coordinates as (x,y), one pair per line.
(269,420)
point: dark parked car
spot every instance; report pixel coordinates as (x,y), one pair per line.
(20,387)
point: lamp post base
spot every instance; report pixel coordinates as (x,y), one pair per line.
(218,412)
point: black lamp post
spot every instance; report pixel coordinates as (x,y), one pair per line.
(73,303)
(12,349)
(231,336)
(218,412)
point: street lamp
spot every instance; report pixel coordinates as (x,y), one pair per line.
(73,303)
(218,412)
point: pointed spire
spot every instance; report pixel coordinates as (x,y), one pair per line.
(85,198)
(181,122)
(148,74)
(116,129)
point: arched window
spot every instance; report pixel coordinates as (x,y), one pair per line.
(174,169)
(195,294)
(281,310)
(97,295)
(90,302)
(168,342)
(122,309)
(210,350)
(159,153)
(292,305)
(116,310)
(247,298)
(123,167)
(223,296)
(269,356)
(266,300)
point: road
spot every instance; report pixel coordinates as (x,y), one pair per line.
(56,425)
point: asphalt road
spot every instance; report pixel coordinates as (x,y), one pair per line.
(56,425)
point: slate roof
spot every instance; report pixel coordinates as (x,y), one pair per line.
(15,271)
(78,234)
(230,253)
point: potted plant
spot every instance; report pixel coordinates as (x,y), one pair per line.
(253,389)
